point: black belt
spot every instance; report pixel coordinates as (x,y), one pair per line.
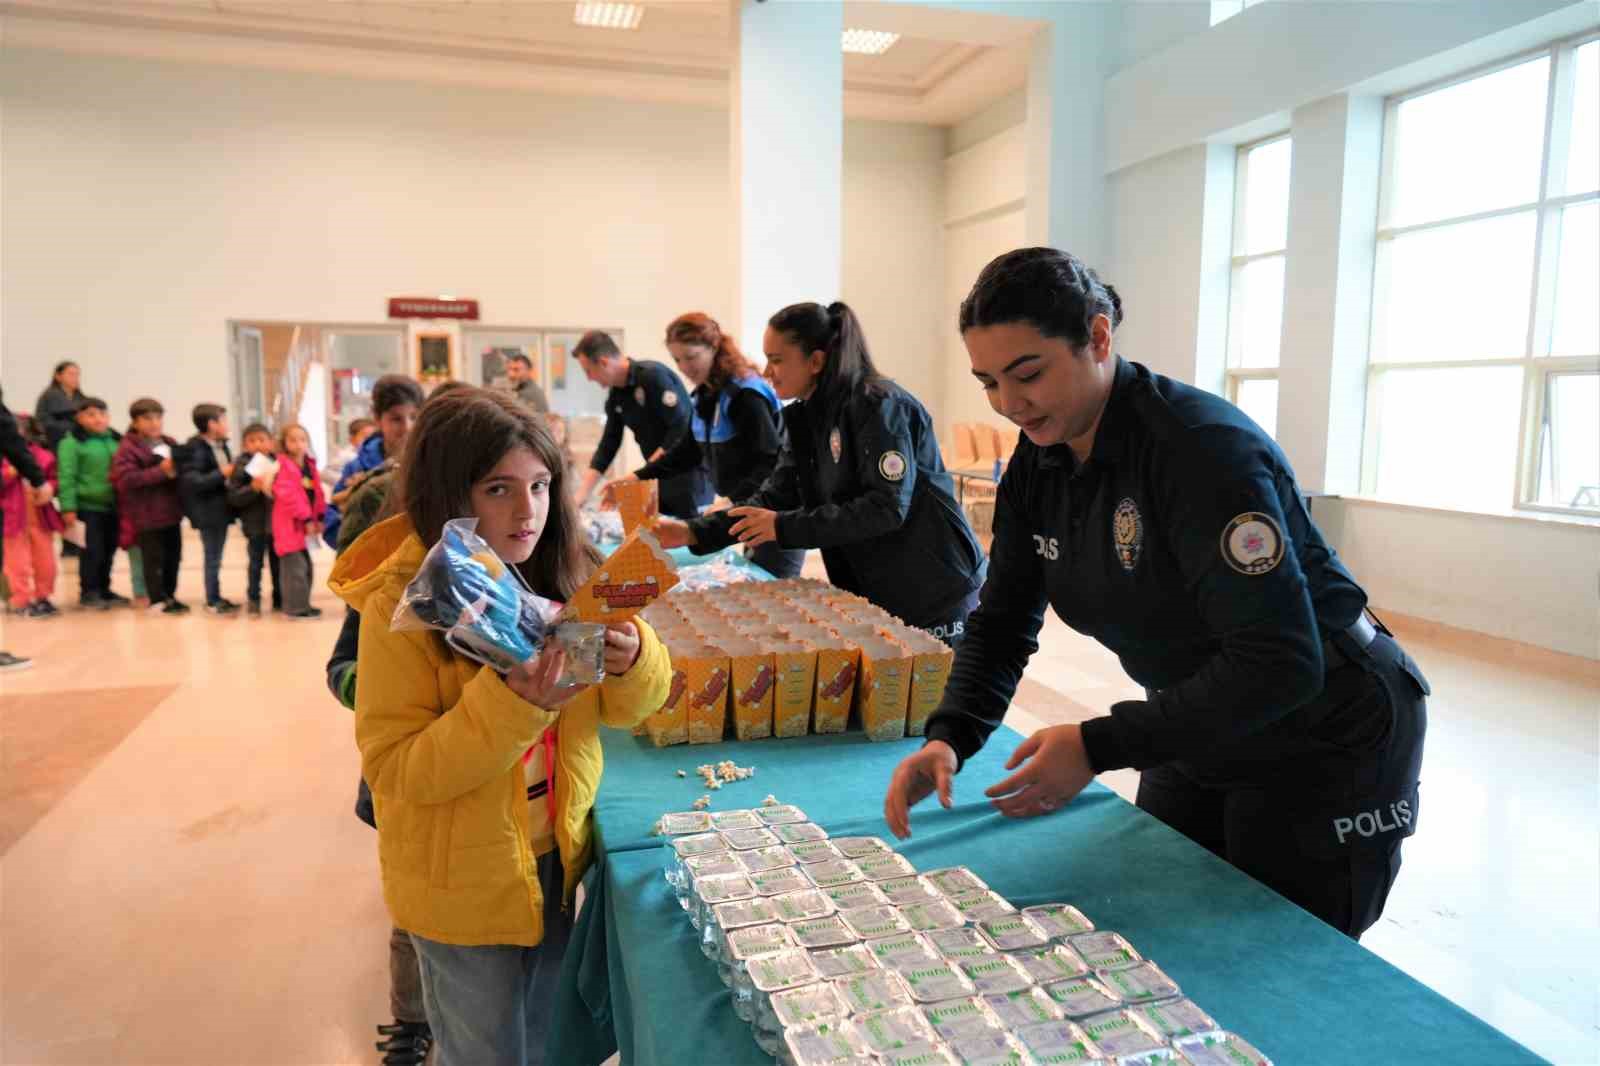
(1362,633)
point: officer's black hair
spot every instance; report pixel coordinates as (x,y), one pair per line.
(1048,289)
(596,344)
(836,331)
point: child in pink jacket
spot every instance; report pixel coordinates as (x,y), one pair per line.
(30,532)
(297,508)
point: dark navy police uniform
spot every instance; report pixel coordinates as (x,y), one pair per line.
(1281,729)
(655,406)
(862,479)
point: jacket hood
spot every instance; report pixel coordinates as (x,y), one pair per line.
(389,552)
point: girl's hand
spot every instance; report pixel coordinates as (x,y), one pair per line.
(672,533)
(755,526)
(535,680)
(622,647)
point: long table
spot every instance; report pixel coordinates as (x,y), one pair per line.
(635,980)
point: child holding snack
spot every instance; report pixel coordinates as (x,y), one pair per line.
(445,741)
(297,507)
(250,495)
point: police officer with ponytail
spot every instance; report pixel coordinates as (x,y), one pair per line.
(1281,728)
(860,477)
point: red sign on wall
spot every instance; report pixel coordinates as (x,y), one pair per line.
(431,307)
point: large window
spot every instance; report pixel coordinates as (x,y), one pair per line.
(1221,10)
(1255,304)
(1484,382)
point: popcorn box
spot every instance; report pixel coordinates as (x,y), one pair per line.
(796,666)
(838,662)
(885,687)
(636,576)
(930,671)
(670,724)
(706,676)
(639,503)
(754,678)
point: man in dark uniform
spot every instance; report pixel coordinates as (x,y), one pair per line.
(1281,729)
(649,399)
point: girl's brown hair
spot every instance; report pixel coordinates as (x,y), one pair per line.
(283,437)
(728,363)
(461,436)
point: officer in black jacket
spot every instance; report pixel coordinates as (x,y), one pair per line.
(649,399)
(860,477)
(1281,729)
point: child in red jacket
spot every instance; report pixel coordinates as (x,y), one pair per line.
(297,507)
(146,476)
(30,531)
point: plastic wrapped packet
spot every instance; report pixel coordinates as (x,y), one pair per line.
(764,975)
(855,894)
(800,833)
(759,860)
(831,1044)
(1176,1019)
(1106,950)
(870,923)
(781,814)
(732,919)
(923,1053)
(937,982)
(681,823)
(954,1019)
(811,1004)
(687,847)
(833,874)
(904,891)
(1225,1049)
(1014,932)
(801,905)
(1027,1007)
(815,934)
(1082,996)
(996,1048)
(956,881)
(888,867)
(861,847)
(1059,920)
(749,839)
(996,974)
(1059,1042)
(742,913)
(743,945)
(728,821)
(849,960)
(1144,983)
(960,943)
(891,1030)
(1049,964)
(810,851)
(716,864)
(932,916)
(781,881)
(903,951)
(874,991)
(982,906)
(710,891)
(481,606)
(1119,1035)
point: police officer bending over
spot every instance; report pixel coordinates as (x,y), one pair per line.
(1281,729)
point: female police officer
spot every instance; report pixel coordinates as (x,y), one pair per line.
(1280,729)
(860,477)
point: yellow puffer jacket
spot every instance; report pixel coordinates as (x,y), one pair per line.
(442,740)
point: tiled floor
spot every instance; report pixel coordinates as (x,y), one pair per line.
(183,881)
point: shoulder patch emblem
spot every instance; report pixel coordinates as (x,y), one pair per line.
(1252,543)
(892,465)
(638,395)
(669,399)
(835,445)
(1127,532)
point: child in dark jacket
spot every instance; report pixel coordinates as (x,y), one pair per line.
(205,464)
(146,474)
(251,499)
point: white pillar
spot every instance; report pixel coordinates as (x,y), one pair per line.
(787,151)
(1066,205)
(1327,306)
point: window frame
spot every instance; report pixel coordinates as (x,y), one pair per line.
(1537,369)
(1233,372)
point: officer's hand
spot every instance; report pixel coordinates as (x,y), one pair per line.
(755,526)
(916,777)
(1057,769)
(672,533)
(608,494)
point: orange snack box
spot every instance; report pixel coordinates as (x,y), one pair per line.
(637,575)
(639,502)
(754,678)
(838,662)
(884,688)
(930,671)
(670,724)
(706,682)
(796,667)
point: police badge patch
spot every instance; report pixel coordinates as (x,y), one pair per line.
(669,398)
(1252,543)
(638,395)
(892,465)
(1127,533)
(834,444)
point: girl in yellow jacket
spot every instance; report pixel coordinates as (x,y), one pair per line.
(483,783)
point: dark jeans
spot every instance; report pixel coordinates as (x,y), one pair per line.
(295,569)
(1318,814)
(163,552)
(212,539)
(99,549)
(778,561)
(261,552)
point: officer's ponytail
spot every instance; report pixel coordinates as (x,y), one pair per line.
(1050,290)
(836,331)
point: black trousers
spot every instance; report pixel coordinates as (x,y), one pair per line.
(99,550)
(261,552)
(953,627)
(163,552)
(1316,810)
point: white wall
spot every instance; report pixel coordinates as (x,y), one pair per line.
(148,202)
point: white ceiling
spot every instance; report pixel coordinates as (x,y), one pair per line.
(946,66)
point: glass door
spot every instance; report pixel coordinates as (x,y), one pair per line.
(356,358)
(248,377)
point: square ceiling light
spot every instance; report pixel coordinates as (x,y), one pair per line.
(869,42)
(607,16)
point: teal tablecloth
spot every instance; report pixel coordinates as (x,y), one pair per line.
(635,978)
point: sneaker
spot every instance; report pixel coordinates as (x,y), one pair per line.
(111,599)
(94,603)
(221,607)
(35,610)
(253,609)
(306,615)
(156,606)
(174,607)
(229,604)
(9,662)
(46,609)
(405,1043)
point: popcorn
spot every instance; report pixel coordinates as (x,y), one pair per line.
(703,802)
(770,801)
(683,773)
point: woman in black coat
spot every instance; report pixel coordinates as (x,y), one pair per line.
(57,409)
